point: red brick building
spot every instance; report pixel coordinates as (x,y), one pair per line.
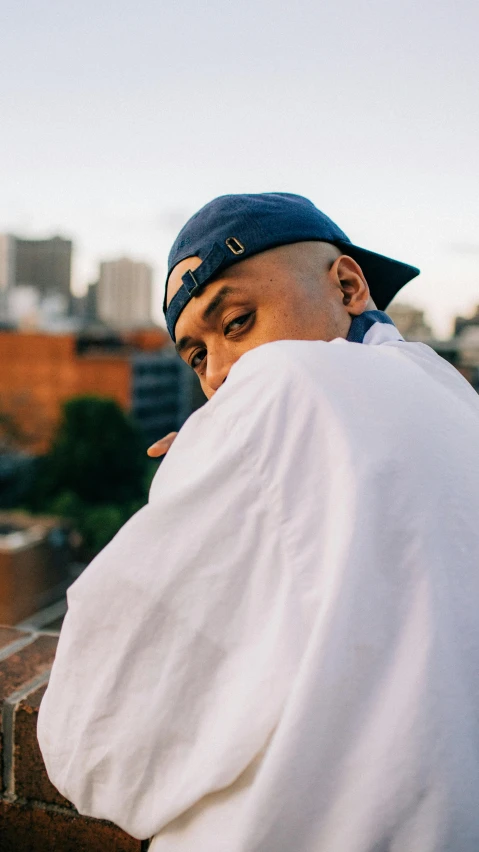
(40,371)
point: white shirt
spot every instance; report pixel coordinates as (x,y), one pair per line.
(280,652)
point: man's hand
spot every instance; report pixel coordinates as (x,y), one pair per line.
(159,448)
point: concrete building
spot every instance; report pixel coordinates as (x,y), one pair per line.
(39,267)
(7,272)
(44,264)
(410,322)
(84,307)
(462,349)
(164,392)
(90,306)
(462,324)
(124,293)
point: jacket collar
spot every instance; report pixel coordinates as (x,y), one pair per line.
(373,327)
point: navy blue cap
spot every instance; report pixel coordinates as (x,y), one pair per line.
(233,227)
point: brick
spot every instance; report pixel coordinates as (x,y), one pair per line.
(30,777)
(36,818)
(8,635)
(17,670)
(24,665)
(36,829)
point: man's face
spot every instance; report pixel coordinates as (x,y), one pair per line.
(292,292)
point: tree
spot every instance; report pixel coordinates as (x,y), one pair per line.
(97,455)
(95,474)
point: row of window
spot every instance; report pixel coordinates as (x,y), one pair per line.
(144,397)
(159,370)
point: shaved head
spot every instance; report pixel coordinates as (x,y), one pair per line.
(306,262)
(303,261)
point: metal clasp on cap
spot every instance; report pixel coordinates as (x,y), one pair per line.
(235,245)
(191,289)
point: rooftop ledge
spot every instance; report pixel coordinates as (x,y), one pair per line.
(34,817)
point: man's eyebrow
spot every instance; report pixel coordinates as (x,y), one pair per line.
(183,344)
(217,301)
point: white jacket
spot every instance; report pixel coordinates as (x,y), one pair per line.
(280,652)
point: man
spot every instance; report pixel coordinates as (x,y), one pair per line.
(280,652)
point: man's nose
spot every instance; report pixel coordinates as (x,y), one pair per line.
(217,369)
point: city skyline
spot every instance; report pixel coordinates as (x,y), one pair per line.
(441,331)
(116,128)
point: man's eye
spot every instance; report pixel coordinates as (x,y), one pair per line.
(197,358)
(237,323)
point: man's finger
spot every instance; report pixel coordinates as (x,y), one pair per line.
(159,448)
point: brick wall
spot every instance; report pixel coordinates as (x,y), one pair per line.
(40,371)
(34,817)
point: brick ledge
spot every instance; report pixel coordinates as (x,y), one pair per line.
(34,817)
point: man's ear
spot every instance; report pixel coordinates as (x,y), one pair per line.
(354,287)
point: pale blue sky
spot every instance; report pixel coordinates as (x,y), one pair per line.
(117,120)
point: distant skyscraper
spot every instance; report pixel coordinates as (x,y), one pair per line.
(410,322)
(41,265)
(7,264)
(7,271)
(44,264)
(124,293)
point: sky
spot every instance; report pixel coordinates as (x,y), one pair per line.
(118,120)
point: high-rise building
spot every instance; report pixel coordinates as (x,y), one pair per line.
(84,307)
(461,324)
(7,271)
(462,349)
(124,293)
(42,266)
(410,322)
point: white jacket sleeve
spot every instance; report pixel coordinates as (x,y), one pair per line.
(176,653)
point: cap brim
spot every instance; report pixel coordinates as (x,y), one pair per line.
(384,275)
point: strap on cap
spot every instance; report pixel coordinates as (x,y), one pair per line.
(193,282)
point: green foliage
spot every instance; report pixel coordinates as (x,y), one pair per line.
(66,504)
(99,524)
(97,454)
(96,472)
